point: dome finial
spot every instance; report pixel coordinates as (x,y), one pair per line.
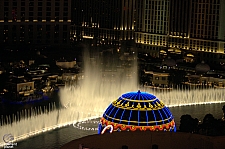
(139,91)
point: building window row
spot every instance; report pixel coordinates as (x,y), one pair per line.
(180,43)
(40,9)
(35,33)
(201,45)
(39,3)
(157,40)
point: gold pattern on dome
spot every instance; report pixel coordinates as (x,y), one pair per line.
(139,106)
(118,102)
(145,107)
(127,104)
(149,105)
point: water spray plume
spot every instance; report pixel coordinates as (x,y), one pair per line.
(88,98)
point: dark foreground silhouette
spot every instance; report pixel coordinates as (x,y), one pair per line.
(210,126)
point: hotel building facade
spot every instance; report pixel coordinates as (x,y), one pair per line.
(159,27)
(191,27)
(152,25)
(108,22)
(35,22)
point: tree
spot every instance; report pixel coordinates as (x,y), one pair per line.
(210,125)
(188,124)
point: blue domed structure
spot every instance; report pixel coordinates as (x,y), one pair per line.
(137,111)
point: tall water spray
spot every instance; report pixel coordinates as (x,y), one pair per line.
(89,98)
(85,100)
(105,78)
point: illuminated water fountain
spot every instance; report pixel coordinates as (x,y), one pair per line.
(91,97)
(191,97)
(92,107)
(87,100)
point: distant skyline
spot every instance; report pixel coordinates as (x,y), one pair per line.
(37,22)
(188,25)
(197,26)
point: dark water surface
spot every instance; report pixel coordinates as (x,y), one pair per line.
(16,109)
(56,138)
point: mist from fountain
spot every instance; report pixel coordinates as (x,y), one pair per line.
(101,83)
(89,98)
(183,97)
(80,102)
